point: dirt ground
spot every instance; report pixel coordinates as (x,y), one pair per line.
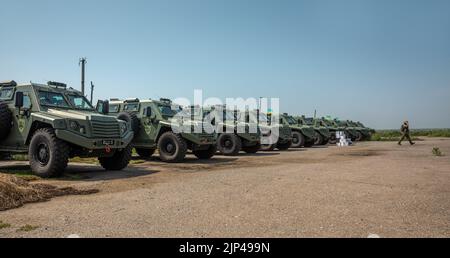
(372,188)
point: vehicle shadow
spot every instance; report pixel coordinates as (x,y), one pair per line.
(259,154)
(13,167)
(188,160)
(297,149)
(78,172)
(81,172)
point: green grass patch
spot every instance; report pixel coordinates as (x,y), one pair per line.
(20,157)
(395,135)
(28,228)
(437,152)
(93,160)
(136,161)
(4,225)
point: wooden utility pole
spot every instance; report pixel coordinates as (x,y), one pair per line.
(83,62)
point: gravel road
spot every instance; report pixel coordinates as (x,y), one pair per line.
(372,188)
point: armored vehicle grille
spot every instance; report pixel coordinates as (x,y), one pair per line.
(105,129)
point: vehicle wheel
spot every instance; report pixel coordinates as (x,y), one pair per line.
(267,147)
(206,154)
(145,153)
(118,161)
(359,136)
(5,120)
(252,149)
(309,144)
(229,144)
(319,139)
(284,146)
(48,155)
(132,119)
(172,148)
(333,139)
(298,140)
(325,141)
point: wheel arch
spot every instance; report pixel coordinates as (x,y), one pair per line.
(36,125)
(163,130)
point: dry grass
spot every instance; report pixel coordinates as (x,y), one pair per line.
(437,152)
(15,192)
(28,228)
(4,225)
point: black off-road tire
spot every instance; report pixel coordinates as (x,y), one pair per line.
(132,119)
(309,144)
(318,140)
(145,153)
(284,146)
(48,155)
(333,139)
(118,161)
(252,149)
(268,147)
(5,120)
(229,144)
(325,141)
(359,136)
(206,154)
(172,148)
(298,139)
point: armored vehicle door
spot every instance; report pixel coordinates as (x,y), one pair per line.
(21,107)
(150,122)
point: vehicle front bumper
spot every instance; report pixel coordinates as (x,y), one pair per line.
(95,143)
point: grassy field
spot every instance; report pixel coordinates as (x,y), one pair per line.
(394,135)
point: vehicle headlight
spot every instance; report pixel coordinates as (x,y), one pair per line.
(74,125)
(123,128)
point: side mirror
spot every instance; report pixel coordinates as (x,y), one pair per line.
(105,107)
(19,99)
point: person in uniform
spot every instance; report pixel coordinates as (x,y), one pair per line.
(405,134)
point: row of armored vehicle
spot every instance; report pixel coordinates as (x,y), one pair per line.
(53,123)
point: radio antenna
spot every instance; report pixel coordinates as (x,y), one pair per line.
(82,62)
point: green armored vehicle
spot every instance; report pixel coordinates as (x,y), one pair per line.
(53,123)
(352,131)
(303,135)
(274,135)
(322,134)
(235,132)
(332,128)
(337,125)
(157,125)
(363,133)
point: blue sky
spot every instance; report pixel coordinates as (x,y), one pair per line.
(376,61)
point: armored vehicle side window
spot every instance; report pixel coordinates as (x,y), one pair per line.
(229,116)
(80,102)
(167,111)
(309,121)
(114,108)
(131,107)
(263,118)
(52,99)
(290,120)
(26,102)
(6,93)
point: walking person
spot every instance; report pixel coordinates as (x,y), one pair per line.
(405,134)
